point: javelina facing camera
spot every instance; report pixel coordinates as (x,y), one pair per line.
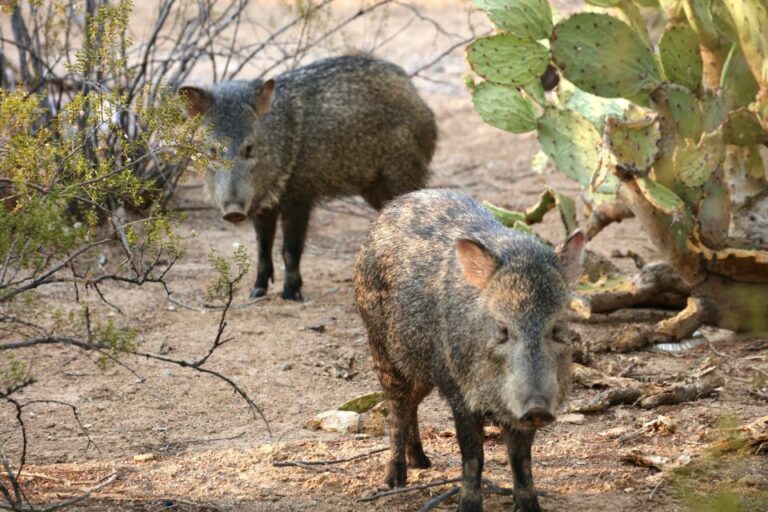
(340,126)
(453,299)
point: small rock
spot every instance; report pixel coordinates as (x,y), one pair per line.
(345,422)
(286,366)
(316,328)
(144,457)
(574,418)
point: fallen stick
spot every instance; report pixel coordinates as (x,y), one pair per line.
(686,392)
(305,463)
(403,490)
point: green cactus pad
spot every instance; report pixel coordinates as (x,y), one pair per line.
(508,59)
(594,108)
(681,57)
(507,217)
(715,211)
(750,18)
(523,18)
(635,144)
(604,56)
(681,106)
(504,107)
(694,164)
(660,196)
(571,142)
(700,19)
(742,128)
(737,82)
(722,20)
(713,111)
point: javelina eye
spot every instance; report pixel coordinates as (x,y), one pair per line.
(502,334)
(213,152)
(248,151)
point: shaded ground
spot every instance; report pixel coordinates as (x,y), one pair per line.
(209,453)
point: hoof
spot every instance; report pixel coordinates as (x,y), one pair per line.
(420,461)
(292,295)
(258,292)
(526,504)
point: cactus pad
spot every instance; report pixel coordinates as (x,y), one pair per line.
(694,164)
(742,128)
(523,18)
(679,105)
(715,211)
(507,217)
(594,108)
(681,57)
(713,111)
(571,141)
(750,18)
(660,197)
(604,56)
(508,59)
(504,107)
(737,81)
(635,144)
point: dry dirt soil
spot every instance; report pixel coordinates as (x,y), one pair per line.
(203,450)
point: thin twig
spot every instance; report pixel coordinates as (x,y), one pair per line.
(304,463)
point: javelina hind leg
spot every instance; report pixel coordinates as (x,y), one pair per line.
(414,450)
(295,222)
(264,223)
(469,432)
(519,443)
(401,416)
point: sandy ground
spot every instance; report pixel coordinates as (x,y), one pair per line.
(209,453)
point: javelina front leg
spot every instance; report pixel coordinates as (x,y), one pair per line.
(295,222)
(265,224)
(469,432)
(519,443)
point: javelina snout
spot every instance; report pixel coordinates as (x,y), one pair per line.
(454,300)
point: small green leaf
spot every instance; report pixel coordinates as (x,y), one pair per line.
(508,59)
(504,107)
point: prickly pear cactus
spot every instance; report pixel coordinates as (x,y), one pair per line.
(667,124)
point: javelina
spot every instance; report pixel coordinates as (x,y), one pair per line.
(453,299)
(340,126)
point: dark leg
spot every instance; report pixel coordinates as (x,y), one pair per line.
(519,443)
(469,431)
(399,423)
(265,224)
(295,222)
(414,449)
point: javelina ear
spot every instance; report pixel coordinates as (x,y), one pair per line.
(477,264)
(570,256)
(198,99)
(264,97)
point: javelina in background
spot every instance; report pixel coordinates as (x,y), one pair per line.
(340,126)
(453,299)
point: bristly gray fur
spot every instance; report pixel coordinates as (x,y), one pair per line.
(431,325)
